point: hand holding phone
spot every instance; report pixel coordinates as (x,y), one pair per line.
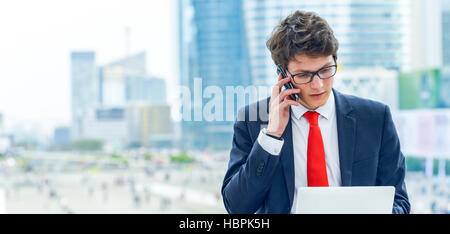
(288,85)
(279,106)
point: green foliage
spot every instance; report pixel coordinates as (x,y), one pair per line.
(87,145)
(436,167)
(182,158)
(415,164)
(26,144)
(134,145)
(148,156)
(125,162)
(116,156)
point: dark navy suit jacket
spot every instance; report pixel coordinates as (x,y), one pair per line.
(369,155)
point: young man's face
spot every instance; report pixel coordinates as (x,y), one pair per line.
(315,93)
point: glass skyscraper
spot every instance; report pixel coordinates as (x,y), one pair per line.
(84,86)
(370,33)
(143,89)
(213,48)
(224,42)
(101,96)
(114,78)
(446,32)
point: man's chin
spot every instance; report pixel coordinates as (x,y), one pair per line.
(313,105)
(309,106)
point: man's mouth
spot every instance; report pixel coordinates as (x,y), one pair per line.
(317,95)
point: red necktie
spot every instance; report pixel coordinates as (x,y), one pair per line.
(315,162)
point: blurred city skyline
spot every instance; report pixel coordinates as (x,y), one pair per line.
(37,41)
(91,94)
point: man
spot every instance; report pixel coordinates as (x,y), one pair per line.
(325,138)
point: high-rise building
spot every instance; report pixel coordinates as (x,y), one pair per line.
(426,34)
(61,135)
(446,32)
(1,124)
(108,125)
(145,89)
(85,88)
(149,125)
(108,94)
(378,84)
(370,33)
(213,47)
(114,78)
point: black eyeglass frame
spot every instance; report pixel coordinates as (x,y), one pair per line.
(314,74)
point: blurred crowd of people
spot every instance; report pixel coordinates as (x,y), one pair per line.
(130,190)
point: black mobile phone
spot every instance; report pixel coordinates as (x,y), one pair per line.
(288,85)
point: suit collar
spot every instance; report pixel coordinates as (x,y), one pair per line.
(287,161)
(342,104)
(327,111)
(346,128)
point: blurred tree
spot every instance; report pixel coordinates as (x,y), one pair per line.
(87,145)
(116,156)
(415,164)
(182,158)
(148,156)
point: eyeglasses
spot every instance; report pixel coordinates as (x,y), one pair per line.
(307,77)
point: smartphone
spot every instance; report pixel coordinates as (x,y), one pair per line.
(288,85)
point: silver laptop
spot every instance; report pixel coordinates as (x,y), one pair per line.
(345,200)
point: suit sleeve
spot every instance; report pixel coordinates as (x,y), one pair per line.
(249,175)
(391,165)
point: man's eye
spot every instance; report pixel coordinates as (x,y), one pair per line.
(304,75)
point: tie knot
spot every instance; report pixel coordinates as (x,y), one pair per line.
(312,117)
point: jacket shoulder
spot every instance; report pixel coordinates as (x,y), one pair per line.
(255,112)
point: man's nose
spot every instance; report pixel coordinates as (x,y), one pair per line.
(316,82)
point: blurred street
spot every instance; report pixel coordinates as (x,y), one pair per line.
(53,183)
(172,189)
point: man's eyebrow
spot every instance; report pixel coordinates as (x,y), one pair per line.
(303,71)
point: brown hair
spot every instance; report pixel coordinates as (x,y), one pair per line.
(301,33)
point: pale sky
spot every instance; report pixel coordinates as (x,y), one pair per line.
(37,38)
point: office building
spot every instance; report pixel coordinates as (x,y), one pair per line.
(370,33)
(1,125)
(61,135)
(446,32)
(150,90)
(213,47)
(108,125)
(84,87)
(426,34)
(149,125)
(377,84)
(114,78)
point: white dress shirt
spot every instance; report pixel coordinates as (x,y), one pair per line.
(300,131)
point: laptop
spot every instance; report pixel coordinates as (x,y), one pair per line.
(345,200)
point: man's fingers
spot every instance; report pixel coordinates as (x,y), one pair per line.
(288,103)
(286,93)
(277,88)
(283,81)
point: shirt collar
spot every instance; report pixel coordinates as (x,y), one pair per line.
(326,110)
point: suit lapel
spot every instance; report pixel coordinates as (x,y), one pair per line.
(287,157)
(287,160)
(346,128)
